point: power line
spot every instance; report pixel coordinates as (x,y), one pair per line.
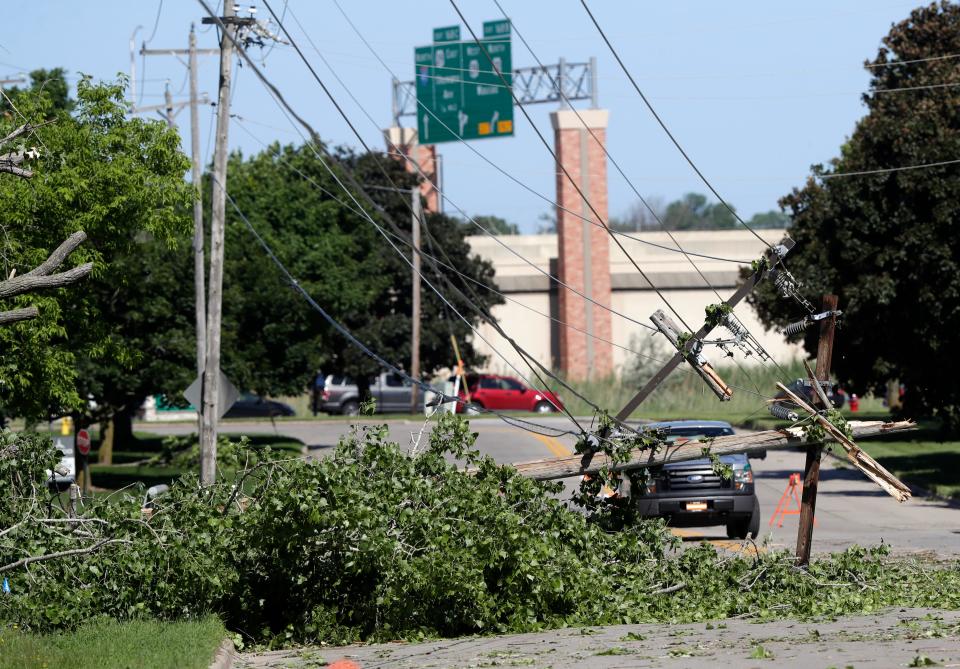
(414,164)
(486,316)
(663,125)
(295,284)
(620,170)
(278,155)
(912,88)
(606,152)
(914,60)
(281,100)
(566,173)
(156,23)
(887,170)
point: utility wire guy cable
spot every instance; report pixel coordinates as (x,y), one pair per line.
(566,173)
(532,362)
(281,100)
(450,268)
(663,125)
(349,335)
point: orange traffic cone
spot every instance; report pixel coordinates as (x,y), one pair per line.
(343,663)
(789,496)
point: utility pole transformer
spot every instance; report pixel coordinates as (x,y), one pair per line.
(415,299)
(218,202)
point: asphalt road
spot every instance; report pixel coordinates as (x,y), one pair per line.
(850,509)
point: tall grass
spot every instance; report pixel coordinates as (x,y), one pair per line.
(685,395)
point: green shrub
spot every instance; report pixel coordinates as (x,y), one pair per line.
(372,544)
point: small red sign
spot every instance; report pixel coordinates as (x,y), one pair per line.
(83,442)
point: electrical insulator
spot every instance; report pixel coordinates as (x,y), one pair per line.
(782,412)
(795,328)
(734,326)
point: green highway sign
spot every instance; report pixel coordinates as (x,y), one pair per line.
(448,34)
(460,94)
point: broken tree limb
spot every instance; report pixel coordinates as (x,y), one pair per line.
(15,315)
(43,276)
(577,465)
(873,469)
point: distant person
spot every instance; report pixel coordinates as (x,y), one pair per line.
(317,388)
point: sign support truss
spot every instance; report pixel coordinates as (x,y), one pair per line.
(532,85)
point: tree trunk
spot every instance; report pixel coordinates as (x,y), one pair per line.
(107,431)
(121,424)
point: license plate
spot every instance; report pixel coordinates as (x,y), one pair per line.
(696,506)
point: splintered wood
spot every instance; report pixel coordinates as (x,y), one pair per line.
(577,465)
(873,469)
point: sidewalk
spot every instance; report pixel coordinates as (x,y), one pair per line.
(893,638)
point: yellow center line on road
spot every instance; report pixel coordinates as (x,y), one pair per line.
(732,545)
(554,445)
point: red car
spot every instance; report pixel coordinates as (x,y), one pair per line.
(505,393)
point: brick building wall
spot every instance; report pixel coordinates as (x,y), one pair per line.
(583,247)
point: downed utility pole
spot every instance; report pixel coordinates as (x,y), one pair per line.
(811,468)
(862,461)
(771,257)
(641,458)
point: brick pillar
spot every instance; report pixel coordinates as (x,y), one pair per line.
(405,139)
(583,248)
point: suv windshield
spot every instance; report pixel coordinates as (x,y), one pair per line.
(691,433)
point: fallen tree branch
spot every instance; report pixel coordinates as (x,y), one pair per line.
(61,554)
(673,588)
(590,463)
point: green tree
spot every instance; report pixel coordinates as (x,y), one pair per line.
(121,181)
(772,219)
(886,243)
(494,224)
(273,341)
(694,212)
(52,84)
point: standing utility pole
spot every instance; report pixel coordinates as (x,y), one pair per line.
(811,470)
(211,368)
(170,108)
(200,303)
(415,317)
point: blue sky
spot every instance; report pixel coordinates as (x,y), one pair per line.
(755,91)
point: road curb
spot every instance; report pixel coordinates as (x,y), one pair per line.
(225,655)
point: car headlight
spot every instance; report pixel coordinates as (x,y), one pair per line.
(741,477)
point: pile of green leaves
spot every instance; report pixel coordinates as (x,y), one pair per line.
(373,544)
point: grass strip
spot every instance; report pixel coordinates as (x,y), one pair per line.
(146,644)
